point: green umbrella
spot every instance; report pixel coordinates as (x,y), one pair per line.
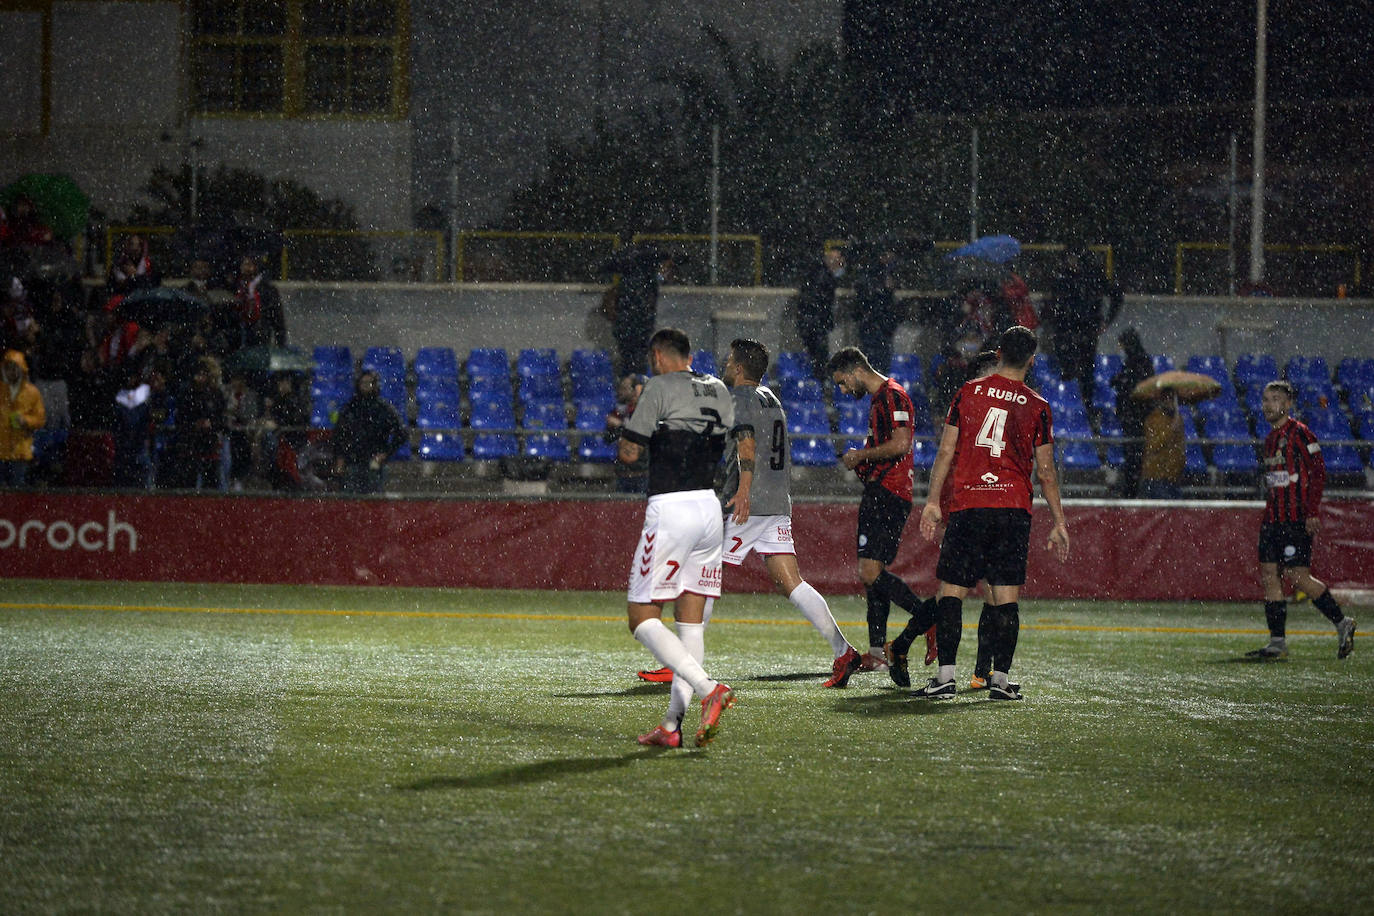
(61,204)
(269,359)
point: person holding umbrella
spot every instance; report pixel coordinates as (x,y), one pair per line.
(1162,458)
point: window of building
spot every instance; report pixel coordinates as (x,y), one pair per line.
(299,57)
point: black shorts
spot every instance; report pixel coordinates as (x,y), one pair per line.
(1285,543)
(882,518)
(986,544)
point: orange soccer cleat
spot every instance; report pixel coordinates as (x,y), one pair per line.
(716,702)
(659,676)
(661,737)
(844,666)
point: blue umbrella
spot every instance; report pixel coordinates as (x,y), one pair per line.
(999,249)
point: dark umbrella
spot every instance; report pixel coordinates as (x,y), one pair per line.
(158,305)
(61,204)
(269,359)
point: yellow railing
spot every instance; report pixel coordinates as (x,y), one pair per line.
(1182,247)
(467,235)
(705,239)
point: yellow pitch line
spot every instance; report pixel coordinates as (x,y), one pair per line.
(580,618)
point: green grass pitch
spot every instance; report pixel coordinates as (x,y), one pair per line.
(198,749)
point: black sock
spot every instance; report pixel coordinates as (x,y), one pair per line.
(878,609)
(1007,629)
(1276,615)
(949,625)
(1328,606)
(898,592)
(985,639)
(923,619)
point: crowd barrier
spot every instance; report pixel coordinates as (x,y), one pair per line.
(1181,551)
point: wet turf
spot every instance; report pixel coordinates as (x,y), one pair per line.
(417,750)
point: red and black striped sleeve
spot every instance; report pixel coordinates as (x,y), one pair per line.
(1307,460)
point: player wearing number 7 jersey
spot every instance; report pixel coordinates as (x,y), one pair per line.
(682,419)
(996,431)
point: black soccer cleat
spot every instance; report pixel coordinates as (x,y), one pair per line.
(896,667)
(1345,633)
(1009,692)
(935,690)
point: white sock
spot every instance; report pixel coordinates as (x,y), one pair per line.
(998,679)
(1277,641)
(945,674)
(669,650)
(815,610)
(693,638)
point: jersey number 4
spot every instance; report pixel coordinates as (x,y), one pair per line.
(992,435)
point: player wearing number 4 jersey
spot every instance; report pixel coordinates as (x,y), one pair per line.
(1294,476)
(996,432)
(682,419)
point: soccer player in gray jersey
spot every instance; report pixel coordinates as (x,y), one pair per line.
(757,487)
(682,418)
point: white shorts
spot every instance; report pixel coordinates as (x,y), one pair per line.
(768,534)
(679,548)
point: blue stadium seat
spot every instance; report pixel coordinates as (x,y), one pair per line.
(1064,396)
(393,391)
(493,415)
(792,364)
(1330,426)
(923,451)
(1109,425)
(388,362)
(436,362)
(491,446)
(1255,369)
(536,389)
(491,388)
(434,389)
(486,362)
(1355,374)
(1231,456)
(852,418)
(590,419)
(333,362)
(1307,370)
(1194,461)
(591,374)
(1212,365)
(441,437)
(802,392)
(546,416)
(905,365)
(537,361)
(705,361)
(1107,365)
(1163,362)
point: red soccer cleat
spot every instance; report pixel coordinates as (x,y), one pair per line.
(870,662)
(661,737)
(661,676)
(716,702)
(931,652)
(844,666)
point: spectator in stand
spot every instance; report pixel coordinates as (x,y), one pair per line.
(285,417)
(21,412)
(632,477)
(875,301)
(18,327)
(816,308)
(132,269)
(1162,460)
(643,267)
(133,433)
(261,320)
(199,431)
(1137,367)
(21,227)
(368,433)
(1074,314)
(242,411)
(61,338)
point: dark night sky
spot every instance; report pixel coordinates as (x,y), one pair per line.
(964,55)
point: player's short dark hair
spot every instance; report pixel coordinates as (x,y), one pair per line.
(983,362)
(751,356)
(672,340)
(1017,345)
(1286,387)
(847,359)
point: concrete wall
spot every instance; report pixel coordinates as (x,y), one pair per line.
(566,316)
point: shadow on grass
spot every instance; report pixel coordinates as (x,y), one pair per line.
(544,771)
(795,676)
(1249,660)
(638,690)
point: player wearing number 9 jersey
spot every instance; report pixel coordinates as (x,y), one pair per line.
(996,432)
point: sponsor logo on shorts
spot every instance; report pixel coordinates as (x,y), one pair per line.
(709,577)
(785,533)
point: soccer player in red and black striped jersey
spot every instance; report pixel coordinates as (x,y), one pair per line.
(885,467)
(1294,475)
(997,431)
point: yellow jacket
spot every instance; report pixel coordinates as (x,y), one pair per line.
(16,443)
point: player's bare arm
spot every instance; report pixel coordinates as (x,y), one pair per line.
(897,446)
(944,460)
(1049,488)
(744,442)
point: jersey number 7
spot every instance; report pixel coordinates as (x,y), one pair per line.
(992,435)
